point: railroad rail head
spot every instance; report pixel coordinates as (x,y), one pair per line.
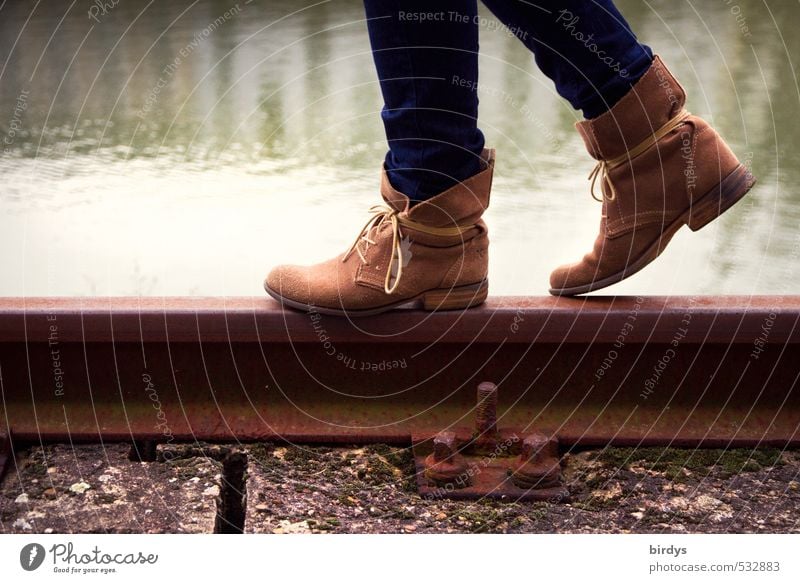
(689,371)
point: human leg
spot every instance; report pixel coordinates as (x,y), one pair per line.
(658,167)
(586,47)
(426,56)
(428,244)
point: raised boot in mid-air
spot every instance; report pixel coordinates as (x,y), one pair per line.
(659,168)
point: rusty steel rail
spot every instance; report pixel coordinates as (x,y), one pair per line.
(688,371)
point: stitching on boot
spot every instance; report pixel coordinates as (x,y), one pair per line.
(619,211)
(365,280)
(596,142)
(360,277)
(620,214)
(449,277)
(696,133)
(373,278)
(461,259)
(611,227)
(640,219)
(601,156)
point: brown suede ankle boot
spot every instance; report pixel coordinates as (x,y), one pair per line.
(434,253)
(659,168)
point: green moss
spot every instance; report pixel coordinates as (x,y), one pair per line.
(35,465)
(402,514)
(299,457)
(35,469)
(409,484)
(595,479)
(673,461)
(347,500)
(105,498)
(401,458)
(537,514)
(379,472)
(588,506)
(484,516)
(383,463)
(379,449)
(186,468)
(262,453)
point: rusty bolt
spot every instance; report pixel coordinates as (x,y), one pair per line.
(444,446)
(486,415)
(535,447)
(445,465)
(538,465)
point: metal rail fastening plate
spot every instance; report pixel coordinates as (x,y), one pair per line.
(489,462)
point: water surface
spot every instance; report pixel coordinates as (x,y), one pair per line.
(183,148)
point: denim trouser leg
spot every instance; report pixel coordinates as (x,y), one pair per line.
(585,46)
(427,66)
(426,54)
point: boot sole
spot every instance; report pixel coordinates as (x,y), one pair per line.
(453,298)
(710,206)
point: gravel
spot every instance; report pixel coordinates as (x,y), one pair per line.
(295,489)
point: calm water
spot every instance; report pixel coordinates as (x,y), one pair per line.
(150,151)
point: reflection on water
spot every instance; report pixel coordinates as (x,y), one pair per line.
(184,147)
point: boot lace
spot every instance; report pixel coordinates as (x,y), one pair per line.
(384,214)
(603,167)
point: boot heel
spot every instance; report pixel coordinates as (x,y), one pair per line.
(722,197)
(456,298)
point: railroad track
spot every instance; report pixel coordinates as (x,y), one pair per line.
(697,371)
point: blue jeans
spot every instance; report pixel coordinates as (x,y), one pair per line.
(426,54)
